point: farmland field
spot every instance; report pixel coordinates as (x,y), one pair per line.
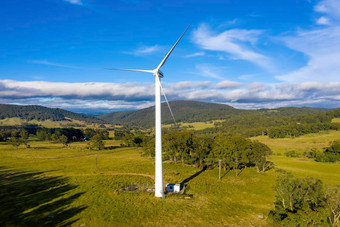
(50,185)
(300,144)
(197,125)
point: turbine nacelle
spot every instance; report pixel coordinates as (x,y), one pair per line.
(157,72)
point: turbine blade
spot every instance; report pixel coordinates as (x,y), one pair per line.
(166,57)
(134,70)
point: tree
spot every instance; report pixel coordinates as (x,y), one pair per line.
(96,142)
(202,146)
(89,132)
(15,141)
(63,139)
(24,137)
(43,134)
(149,146)
(104,134)
(234,151)
(178,145)
(259,153)
(333,203)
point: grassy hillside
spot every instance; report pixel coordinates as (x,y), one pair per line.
(192,111)
(40,113)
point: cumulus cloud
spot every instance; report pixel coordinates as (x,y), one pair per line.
(236,42)
(135,95)
(93,90)
(226,84)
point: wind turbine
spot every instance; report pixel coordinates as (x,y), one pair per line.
(159,191)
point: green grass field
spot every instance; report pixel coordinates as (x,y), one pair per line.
(196,125)
(50,185)
(336,120)
(302,143)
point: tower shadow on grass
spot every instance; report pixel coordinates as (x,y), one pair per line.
(193,176)
(31,199)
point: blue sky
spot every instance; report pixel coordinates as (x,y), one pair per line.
(244,53)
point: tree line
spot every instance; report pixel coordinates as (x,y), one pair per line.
(275,126)
(204,151)
(60,135)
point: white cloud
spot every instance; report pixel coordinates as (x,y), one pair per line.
(93,90)
(45,62)
(141,95)
(189,85)
(323,21)
(322,47)
(211,71)
(144,50)
(75,2)
(226,84)
(195,55)
(236,42)
(329,7)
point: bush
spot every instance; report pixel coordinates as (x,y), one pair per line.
(327,157)
(291,154)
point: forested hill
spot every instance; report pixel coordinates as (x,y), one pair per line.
(184,111)
(41,113)
(193,111)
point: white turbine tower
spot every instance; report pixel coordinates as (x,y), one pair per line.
(159,192)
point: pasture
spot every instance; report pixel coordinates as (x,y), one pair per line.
(50,185)
(196,125)
(300,144)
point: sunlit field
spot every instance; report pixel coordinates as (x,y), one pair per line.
(50,185)
(197,125)
(300,144)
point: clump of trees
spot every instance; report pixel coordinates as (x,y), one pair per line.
(18,137)
(329,154)
(129,138)
(96,142)
(235,152)
(89,133)
(304,202)
(97,138)
(67,135)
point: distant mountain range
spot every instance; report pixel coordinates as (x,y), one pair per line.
(193,111)
(184,111)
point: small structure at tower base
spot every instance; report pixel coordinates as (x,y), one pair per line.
(175,188)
